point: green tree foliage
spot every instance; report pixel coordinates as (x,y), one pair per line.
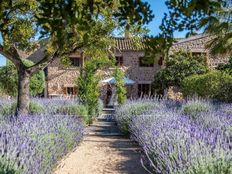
(9,80)
(213,16)
(226,67)
(178,66)
(64,27)
(213,85)
(88,82)
(120,86)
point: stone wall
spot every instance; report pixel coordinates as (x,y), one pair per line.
(141,75)
(60,77)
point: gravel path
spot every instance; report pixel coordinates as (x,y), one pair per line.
(103,151)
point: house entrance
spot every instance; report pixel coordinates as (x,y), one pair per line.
(108,94)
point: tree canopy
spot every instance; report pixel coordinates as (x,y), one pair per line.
(61,27)
(214,17)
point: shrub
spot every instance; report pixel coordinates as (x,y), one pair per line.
(211,166)
(6,110)
(179,66)
(77,110)
(34,143)
(125,112)
(120,86)
(175,144)
(36,108)
(100,107)
(8,167)
(195,109)
(9,109)
(226,67)
(213,85)
(9,80)
(88,88)
(225,109)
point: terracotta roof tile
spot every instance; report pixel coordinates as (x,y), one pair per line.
(128,44)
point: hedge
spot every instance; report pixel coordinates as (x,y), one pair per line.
(213,85)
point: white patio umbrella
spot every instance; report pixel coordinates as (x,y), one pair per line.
(112,81)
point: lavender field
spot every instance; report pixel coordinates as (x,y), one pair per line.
(193,137)
(34,143)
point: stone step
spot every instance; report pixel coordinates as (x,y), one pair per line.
(103,134)
(106,120)
(105,125)
(108,111)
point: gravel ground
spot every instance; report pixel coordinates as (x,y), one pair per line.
(99,154)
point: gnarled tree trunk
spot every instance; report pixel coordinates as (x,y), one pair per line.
(23,98)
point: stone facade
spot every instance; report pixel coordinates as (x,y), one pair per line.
(60,78)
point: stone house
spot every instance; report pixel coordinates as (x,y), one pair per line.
(197,45)
(61,81)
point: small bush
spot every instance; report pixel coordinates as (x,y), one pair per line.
(125,113)
(174,144)
(6,110)
(9,109)
(34,144)
(195,109)
(100,107)
(211,167)
(9,80)
(214,85)
(36,108)
(78,110)
(178,66)
(8,167)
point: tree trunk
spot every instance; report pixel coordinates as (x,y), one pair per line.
(23,98)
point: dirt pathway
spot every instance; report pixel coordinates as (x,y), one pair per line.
(103,151)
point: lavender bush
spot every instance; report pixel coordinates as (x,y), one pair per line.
(33,144)
(175,142)
(196,108)
(124,113)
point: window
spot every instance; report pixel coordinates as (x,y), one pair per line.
(161,61)
(46,72)
(119,60)
(144,90)
(71,91)
(75,61)
(143,63)
(199,54)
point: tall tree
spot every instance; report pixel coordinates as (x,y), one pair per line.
(63,26)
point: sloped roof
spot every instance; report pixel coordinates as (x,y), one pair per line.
(129,44)
(23,54)
(120,43)
(37,55)
(191,38)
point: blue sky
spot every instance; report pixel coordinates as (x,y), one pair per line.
(158,7)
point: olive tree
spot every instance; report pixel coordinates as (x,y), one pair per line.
(61,27)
